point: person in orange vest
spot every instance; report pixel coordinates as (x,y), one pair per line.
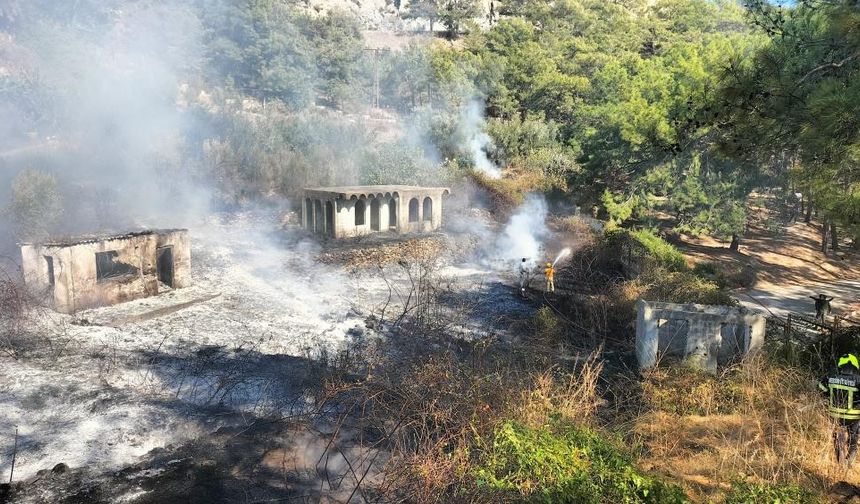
(549,272)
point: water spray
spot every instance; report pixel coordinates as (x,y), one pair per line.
(561,255)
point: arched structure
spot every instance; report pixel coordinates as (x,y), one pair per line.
(413,210)
(427,209)
(375,216)
(353,211)
(360,211)
(329,218)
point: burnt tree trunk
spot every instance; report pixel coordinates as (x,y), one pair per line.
(735,244)
(808,216)
(834,238)
(825,227)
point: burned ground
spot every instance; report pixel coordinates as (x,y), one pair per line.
(207,393)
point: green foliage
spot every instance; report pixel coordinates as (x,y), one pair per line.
(666,254)
(798,100)
(684,287)
(561,463)
(338,52)
(394,163)
(547,326)
(455,13)
(275,154)
(271,51)
(756,493)
(36,204)
(618,208)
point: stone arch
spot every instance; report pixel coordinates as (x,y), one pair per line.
(319,224)
(428,209)
(392,213)
(329,218)
(413,210)
(360,210)
(375,217)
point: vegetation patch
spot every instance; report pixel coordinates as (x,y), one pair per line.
(562,463)
(747,493)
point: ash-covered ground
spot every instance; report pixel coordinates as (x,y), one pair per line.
(99,390)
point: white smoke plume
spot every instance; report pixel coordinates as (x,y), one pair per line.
(477,140)
(525,232)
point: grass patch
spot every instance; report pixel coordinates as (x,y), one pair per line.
(756,493)
(563,463)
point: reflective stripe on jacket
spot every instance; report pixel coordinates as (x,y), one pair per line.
(842,390)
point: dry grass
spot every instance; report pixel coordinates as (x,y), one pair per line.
(509,192)
(758,422)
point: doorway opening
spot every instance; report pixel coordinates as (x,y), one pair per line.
(164,264)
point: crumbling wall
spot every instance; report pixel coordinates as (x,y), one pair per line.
(137,252)
(705,336)
(179,241)
(35,268)
(127,269)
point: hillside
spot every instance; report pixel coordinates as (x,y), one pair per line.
(464,326)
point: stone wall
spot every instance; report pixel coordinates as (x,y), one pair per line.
(705,336)
(77,285)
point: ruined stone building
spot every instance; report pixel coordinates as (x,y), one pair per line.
(87,272)
(341,212)
(701,335)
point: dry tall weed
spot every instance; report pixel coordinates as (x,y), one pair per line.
(759,421)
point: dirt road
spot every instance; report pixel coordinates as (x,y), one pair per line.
(788,267)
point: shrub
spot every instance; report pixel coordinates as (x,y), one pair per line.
(755,493)
(687,391)
(561,463)
(667,255)
(684,287)
(36,204)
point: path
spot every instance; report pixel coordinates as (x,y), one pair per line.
(788,268)
(782,300)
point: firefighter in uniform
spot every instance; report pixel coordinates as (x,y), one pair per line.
(842,388)
(549,272)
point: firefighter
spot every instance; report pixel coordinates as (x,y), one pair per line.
(549,272)
(842,387)
(525,271)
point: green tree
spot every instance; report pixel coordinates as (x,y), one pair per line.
(36,204)
(258,48)
(799,98)
(425,9)
(337,49)
(454,13)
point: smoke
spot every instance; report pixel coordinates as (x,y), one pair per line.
(477,140)
(109,128)
(525,232)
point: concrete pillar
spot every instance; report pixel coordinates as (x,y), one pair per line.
(437,212)
(403,214)
(646,336)
(756,325)
(395,223)
(335,230)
